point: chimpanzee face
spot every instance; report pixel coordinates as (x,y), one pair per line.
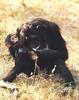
(10,40)
(35,42)
(32,36)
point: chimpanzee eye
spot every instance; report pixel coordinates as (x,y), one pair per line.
(13,38)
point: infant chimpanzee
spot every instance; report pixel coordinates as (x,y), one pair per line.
(23,61)
(43,38)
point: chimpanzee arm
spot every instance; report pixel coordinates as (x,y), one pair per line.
(15,71)
(49,54)
(12,75)
(12,52)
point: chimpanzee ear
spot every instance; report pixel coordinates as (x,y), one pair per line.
(8,38)
(18,31)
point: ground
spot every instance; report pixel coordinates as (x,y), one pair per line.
(64,12)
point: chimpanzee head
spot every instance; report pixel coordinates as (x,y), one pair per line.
(33,35)
(10,40)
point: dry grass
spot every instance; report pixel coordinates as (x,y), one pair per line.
(64,12)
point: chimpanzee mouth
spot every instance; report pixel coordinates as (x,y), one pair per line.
(35,45)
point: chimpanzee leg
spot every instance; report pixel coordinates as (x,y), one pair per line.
(48,68)
(12,74)
(46,59)
(15,71)
(64,72)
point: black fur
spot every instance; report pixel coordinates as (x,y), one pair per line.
(44,38)
(48,32)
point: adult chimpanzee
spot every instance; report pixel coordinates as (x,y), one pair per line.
(44,38)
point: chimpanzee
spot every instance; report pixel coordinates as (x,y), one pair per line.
(23,61)
(43,37)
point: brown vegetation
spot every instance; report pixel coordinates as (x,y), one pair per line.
(64,12)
